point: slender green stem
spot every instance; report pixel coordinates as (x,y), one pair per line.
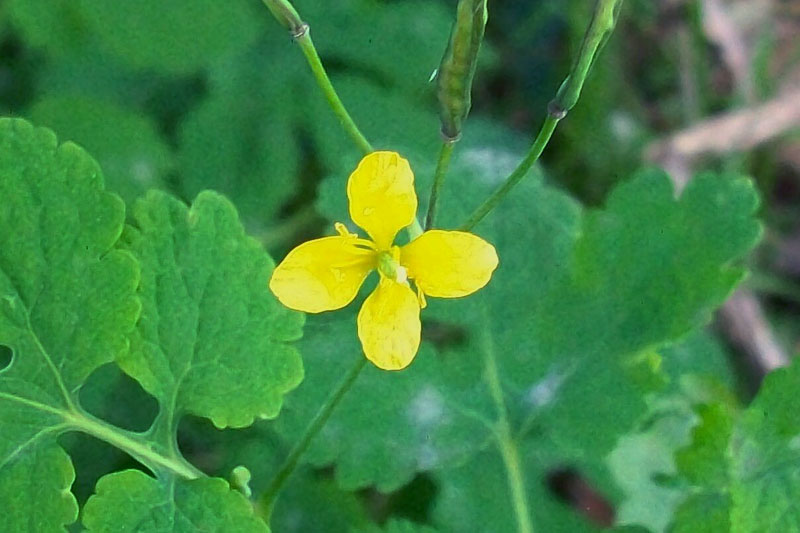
(132,444)
(288,16)
(600,28)
(438,180)
(516,481)
(303,38)
(530,159)
(506,442)
(314,427)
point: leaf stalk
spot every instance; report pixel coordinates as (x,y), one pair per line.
(133,444)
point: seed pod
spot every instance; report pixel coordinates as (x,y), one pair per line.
(457,69)
(286,15)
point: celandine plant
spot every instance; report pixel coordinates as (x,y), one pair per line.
(559,359)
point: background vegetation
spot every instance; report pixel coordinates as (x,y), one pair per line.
(186,96)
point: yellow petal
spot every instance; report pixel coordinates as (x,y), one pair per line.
(389,326)
(323,274)
(449,264)
(382,197)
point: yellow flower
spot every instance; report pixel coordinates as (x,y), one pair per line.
(325,274)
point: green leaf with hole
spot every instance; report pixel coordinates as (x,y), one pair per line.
(67,304)
(211,340)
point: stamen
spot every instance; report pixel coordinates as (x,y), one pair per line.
(341,229)
(423,303)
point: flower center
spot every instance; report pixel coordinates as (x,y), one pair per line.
(389,265)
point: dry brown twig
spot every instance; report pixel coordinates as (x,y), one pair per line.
(742,317)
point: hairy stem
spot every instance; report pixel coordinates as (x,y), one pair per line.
(314,427)
(438,180)
(599,30)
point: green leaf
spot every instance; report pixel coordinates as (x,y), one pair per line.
(765,466)
(241,140)
(643,459)
(67,304)
(127,145)
(389,425)
(577,315)
(133,501)
(602,290)
(463,506)
(177,36)
(310,500)
(703,464)
(744,468)
(266,133)
(212,340)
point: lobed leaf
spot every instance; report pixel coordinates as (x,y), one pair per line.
(67,304)
(133,501)
(212,340)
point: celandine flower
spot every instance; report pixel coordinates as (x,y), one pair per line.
(325,274)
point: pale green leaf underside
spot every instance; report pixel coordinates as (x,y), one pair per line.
(66,306)
(212,340)
(133,501)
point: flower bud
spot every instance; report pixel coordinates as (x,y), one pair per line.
(286,15)
(457,69)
